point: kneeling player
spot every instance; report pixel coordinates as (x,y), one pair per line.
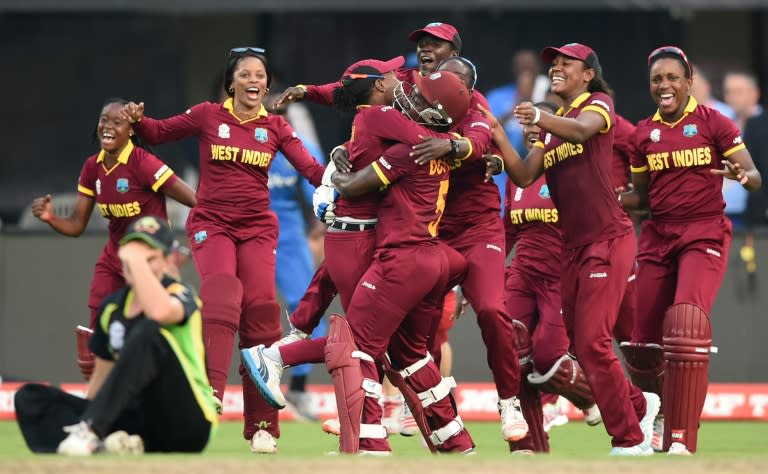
(149,389)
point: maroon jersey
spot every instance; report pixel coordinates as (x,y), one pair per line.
(235,155)
(374,129)
(411,209)
(679,156)
(622,151)
(472,199)
(129,189)
(532,222)
(580,180)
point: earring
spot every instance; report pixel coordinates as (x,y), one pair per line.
(267,89)
(231,90)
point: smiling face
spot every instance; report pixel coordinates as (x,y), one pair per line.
(430,51)
(249,81)
(669,87)
(112,131)
(570,76)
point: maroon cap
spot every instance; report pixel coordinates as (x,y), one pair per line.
(572,50)
(444,90)
(382,67)
(442,31)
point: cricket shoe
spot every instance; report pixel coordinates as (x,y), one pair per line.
(678,449)
(652,404)
(392,407)
(123,444)
(408,426)
(657,442)
(553,415)
(294,335)
(300,403)
(332,427)
(637,450)
(265,373)
(592,415)
(263,442)
(81,441)
(513,424)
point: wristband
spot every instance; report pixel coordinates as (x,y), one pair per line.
(454,148)
(302,87)
(500,165)
(536,116)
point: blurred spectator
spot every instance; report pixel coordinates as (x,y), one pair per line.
(756,212)
(528,84)
(742,95)
(702,92)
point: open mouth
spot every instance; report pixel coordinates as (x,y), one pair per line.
(666,100)
(253,93)
(107,138)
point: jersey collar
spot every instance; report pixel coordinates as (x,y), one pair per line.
(229,104)
(575,104)
(122,157)
(692,104)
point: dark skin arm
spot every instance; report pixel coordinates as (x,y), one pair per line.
(637,198)
(740,167)
(359,183)
(521,172)
(181,192)
(72,225)
(574,130)
(433,148)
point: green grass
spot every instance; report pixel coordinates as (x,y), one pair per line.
(723,447)
(574,440)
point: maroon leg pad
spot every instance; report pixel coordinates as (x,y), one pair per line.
(645,364)
(687,340)
(537,439)
(567,379)
(347,382)
(414,403)
(85,358)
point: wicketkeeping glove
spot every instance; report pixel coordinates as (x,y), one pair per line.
(324,203)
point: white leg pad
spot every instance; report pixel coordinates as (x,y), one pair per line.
(438,392)
(373,431)
(441,435)
(416,366)
(372,388)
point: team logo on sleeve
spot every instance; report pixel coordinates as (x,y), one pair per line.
(544,191)
(690,130)
(98,186)
(261,135)
(223,130)
(122,185)
(655,135)
(737,140)
(116,335)
(200,236)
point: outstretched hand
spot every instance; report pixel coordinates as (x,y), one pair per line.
(525,113)
(489,116)
(42,208)
(732,171)
(292,94)
(133,112)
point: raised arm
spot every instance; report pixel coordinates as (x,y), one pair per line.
(591,121)
(72,225)
(167,130)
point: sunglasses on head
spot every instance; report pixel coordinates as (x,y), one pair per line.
(669,50)
(247,49)
(346,81)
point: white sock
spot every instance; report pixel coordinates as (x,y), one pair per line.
(273,353)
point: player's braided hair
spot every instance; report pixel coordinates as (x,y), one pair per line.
(355,91)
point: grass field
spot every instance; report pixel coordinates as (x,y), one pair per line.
(724,447)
